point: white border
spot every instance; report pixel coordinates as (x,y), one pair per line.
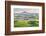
(26,28)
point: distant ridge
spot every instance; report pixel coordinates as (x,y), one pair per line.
(24,12)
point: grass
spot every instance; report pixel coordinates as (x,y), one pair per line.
(25,23)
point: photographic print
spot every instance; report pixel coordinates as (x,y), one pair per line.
(24,17)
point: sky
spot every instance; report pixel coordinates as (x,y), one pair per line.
(28,10)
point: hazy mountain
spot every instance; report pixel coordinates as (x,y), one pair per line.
(26,14)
